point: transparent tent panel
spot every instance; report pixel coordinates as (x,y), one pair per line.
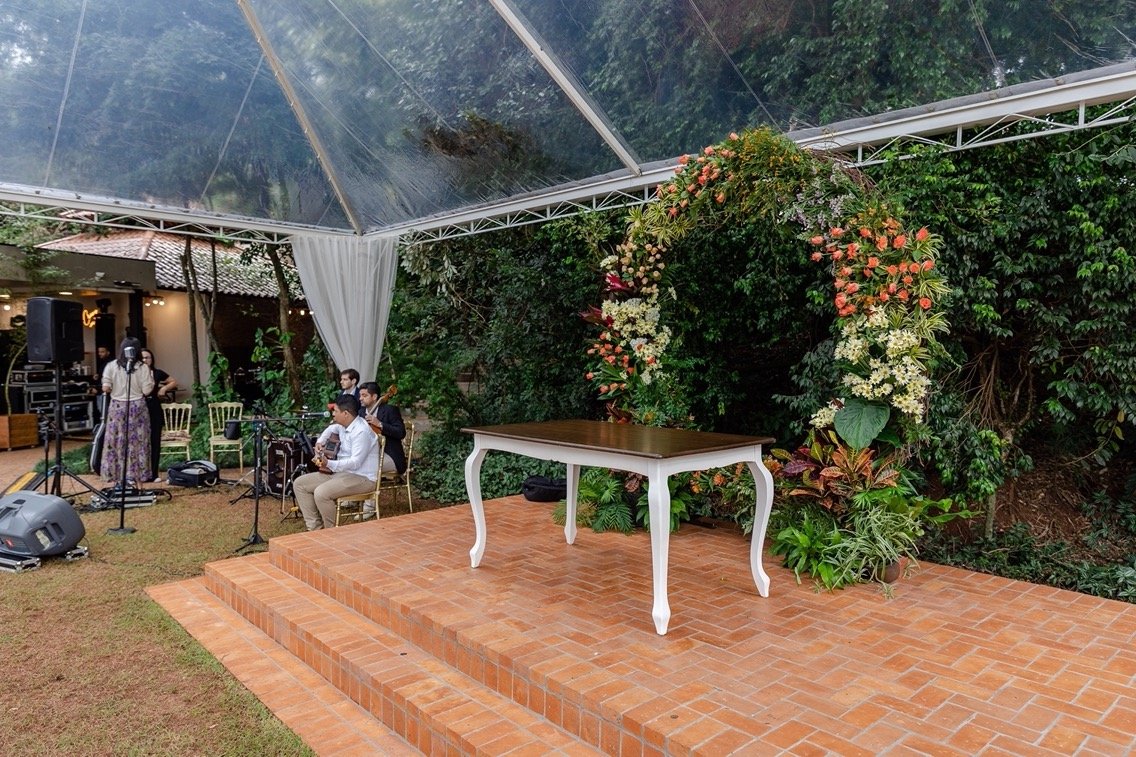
(153,101)
(413,109)
(424,107)
(674,75)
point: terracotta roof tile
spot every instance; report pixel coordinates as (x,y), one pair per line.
(253,279)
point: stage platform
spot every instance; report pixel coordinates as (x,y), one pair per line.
(378,638)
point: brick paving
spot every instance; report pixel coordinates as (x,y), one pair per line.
(550,648)
(377,638)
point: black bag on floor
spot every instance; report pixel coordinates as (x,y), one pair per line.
(544,489)
(193,473)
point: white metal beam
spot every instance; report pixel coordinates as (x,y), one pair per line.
(56,205)
(567,82)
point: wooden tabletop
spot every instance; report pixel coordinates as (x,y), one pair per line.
(642,441)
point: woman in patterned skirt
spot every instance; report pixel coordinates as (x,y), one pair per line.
(127,437)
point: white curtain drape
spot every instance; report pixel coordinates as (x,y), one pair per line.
(349,282)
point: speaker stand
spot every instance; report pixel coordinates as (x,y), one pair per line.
(53,476)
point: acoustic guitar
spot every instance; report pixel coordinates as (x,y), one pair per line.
(331,446)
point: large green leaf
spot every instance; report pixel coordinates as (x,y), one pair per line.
(860,422)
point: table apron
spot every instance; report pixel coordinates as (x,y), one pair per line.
(641,464)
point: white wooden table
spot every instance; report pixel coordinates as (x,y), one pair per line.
(653,452)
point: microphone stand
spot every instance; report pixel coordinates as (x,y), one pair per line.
(254,537)
(122,527)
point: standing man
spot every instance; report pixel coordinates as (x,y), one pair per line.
(102,357)
(353,471)
(349,382)
(384,418)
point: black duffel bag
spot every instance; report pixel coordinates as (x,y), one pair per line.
(193,473)
(544,489)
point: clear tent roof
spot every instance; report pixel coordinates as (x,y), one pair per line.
(360,115)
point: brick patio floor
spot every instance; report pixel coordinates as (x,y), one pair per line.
(378,638)
(955,663)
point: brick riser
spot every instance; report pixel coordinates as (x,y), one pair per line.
(436,709)
(584,699)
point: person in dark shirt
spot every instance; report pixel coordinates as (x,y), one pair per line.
(163,391)
(385,419)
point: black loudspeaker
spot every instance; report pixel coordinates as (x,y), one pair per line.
(105,335)
(38,525)
(55,330)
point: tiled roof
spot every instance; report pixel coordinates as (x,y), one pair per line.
(252,279)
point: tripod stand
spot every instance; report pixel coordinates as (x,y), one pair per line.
(257,488)
(53,476)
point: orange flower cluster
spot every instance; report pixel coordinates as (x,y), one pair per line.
(618,364)
(872,266)
(695,174)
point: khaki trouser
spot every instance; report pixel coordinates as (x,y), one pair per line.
(316,492)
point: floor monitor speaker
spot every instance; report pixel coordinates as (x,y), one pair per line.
(38,525)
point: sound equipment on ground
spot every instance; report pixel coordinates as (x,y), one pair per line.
(34,526)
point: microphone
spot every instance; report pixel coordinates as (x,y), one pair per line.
(131,355)
(310,416)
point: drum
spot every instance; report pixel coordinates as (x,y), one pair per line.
(232,430)
(285,462)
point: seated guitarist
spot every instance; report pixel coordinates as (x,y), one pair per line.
(384,418)
(353,471)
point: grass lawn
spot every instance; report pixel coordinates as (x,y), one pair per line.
(94,667)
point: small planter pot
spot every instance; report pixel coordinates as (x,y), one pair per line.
(893,572)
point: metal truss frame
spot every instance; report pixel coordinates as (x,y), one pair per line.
(1010,128)
(1025,111)
(56,207)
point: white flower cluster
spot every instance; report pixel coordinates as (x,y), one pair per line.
(902,382)
(886,355)
(637,322)
(825,417)
(898,342)
(877,319)
(853,349)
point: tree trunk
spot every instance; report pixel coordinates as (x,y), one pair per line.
(291,367)
(208,307)
(185,268)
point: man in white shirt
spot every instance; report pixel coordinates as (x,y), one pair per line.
(353,470)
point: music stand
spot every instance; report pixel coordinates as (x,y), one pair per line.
(254,537)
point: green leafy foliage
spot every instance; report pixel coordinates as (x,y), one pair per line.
(1037,235)
(485,329)
(681,499)
(807,545)
(601,502)
(860,422)
(440,473)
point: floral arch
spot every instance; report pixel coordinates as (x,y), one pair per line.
(886,298)
(887,291)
